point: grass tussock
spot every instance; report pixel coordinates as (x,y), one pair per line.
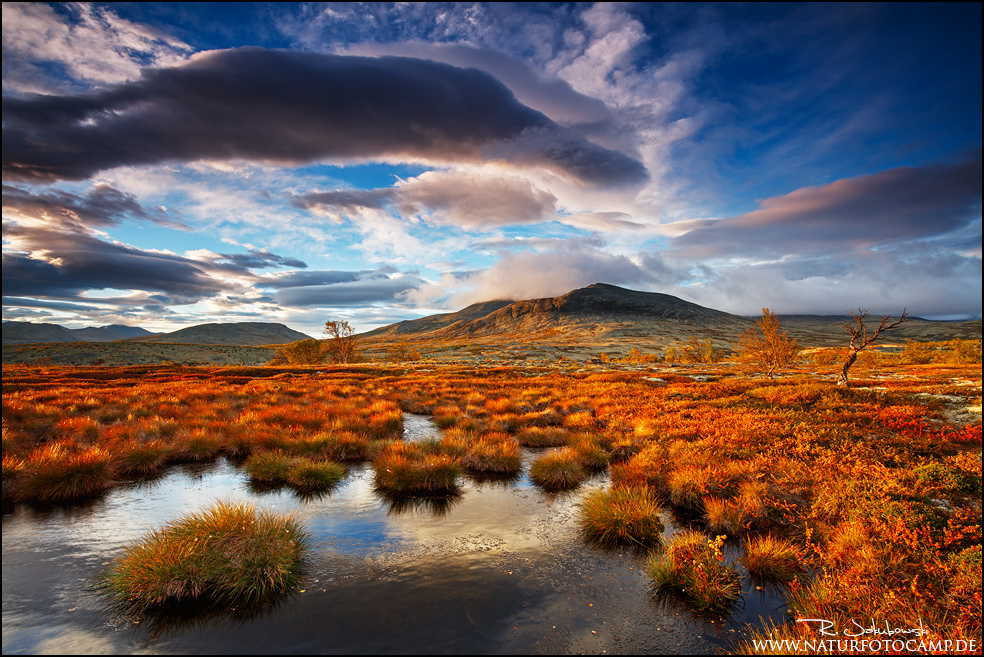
(142,458)
(278,468)
(621,516)
(55,474)
(406,469)
(495,453)
(691,566)
(230,555)
(558,470)
(768,557)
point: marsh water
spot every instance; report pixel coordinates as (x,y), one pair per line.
(500,569)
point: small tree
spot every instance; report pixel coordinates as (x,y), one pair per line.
(340,343)
(769,346)
(860,339)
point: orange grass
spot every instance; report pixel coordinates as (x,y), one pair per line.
(879,484)
(621,516)
(558,470)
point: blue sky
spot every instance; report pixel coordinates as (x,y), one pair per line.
(170,164)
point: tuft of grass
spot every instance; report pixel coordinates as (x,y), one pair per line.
(269,467)
(723,516)
(311,477)
(772,558)
(593,456)
(558,470)
(405,469)
(688,487)
(537,436)
(691,566)
(621,515)
(54,474)
(495,454)
(139,459)
(197,446)
(230,555)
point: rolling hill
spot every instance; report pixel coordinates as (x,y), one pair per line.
(253,334)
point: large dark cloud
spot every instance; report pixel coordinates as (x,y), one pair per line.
(890,207)
(294,107)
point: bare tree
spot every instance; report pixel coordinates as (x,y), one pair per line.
(860,338)
(341,341)
(769,346)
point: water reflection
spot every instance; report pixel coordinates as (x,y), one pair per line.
(437,506)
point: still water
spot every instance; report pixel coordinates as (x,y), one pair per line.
(500,569)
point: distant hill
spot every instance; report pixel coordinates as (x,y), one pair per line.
(29,332)
(237,334)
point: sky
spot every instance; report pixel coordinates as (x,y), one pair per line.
(174,164)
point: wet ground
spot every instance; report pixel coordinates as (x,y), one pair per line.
(500,569)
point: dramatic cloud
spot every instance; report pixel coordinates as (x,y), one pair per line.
(101,206)
(295,107)
(893,206)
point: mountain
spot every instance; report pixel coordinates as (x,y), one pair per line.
(597,312)
(236,334)
(29,332)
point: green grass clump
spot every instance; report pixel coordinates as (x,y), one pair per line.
(691,566)
(622,515)
(559,470)
(229,555)
(269,467)
(772,558)
(312,476)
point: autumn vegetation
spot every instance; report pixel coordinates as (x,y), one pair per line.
(865,501)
